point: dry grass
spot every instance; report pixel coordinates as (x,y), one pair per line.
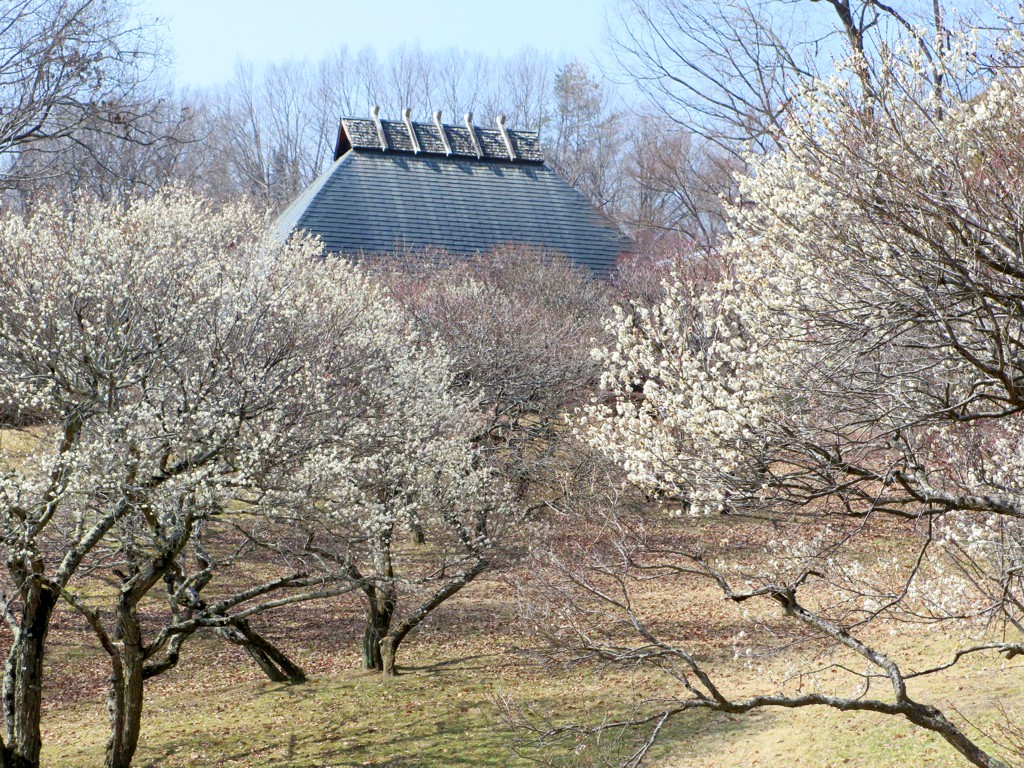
(215,710)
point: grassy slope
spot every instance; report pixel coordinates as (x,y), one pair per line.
(818,737)
(215,710)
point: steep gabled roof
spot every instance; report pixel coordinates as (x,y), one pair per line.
(386,193)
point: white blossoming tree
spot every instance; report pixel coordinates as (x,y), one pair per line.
(194,385)
(392,489)
(860,366)
(156,350)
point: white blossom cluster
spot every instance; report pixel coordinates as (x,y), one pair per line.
(865,351)
(134,337)
(175,359)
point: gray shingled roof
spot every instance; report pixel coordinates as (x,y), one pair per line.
(372,201)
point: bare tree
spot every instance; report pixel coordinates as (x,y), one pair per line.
(726,71)
(266,126)
(677,185)
(524,89)
(587,137)
(95,161)
(70,66)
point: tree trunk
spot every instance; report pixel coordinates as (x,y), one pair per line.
(388,648)
(126,691)
(274,663)
(380,604)
(389,644)
(23,679)
(380,609)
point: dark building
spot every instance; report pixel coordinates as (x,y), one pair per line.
(400,186)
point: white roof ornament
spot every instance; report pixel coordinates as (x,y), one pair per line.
(375,112)
(407,119)
(472,136)
(443,133)
(500,120)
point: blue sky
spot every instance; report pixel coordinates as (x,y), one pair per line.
(210,36)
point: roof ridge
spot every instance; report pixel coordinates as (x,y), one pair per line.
(407,136)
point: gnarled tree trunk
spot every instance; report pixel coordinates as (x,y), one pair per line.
(389,643)
(272,660)
(23,679)
(126,691)
(380,608)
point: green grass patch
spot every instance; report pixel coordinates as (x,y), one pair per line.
(434,714)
